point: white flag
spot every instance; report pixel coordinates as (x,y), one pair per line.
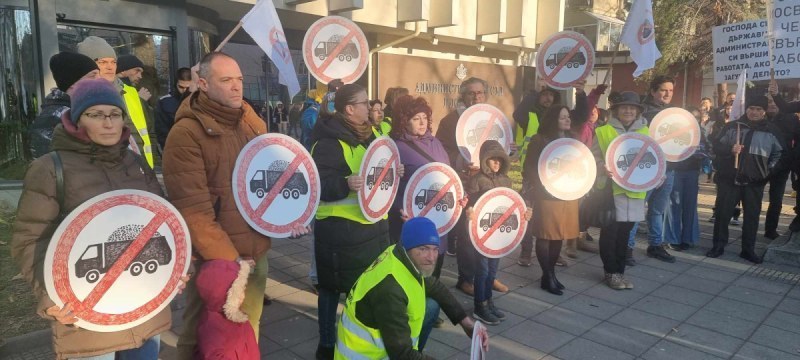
(264,26)
(737,110)
(639,34)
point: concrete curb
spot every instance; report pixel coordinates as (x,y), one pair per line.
(40,339)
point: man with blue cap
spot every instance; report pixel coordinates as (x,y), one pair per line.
(390,311)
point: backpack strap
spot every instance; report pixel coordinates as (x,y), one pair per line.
(59,167)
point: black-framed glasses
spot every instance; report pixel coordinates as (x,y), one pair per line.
(98,116)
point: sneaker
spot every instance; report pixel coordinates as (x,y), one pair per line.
(483,314)
(771,234)
(450,253)
(736,222)
(615,282)
(628,284)
(524,261)
(659,253)
(497,313)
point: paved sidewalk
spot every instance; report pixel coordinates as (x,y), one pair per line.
(696,308)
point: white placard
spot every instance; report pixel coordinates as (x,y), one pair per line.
(381,178)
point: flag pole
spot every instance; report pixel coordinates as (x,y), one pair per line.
(230,35)
(611,65)
(738,139)
(770,38)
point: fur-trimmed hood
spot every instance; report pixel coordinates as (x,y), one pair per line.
(221,285)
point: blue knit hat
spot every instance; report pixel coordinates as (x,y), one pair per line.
(419,231)
(88,93)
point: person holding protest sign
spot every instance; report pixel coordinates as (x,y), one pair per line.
(494,173)
(472,91)
(345,242)
(90,156)
(556,220)
(748,152)
(626,117)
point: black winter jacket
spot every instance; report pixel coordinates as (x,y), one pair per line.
(41,131)
(343,248)
(384,308)
(759,159)
(530,103)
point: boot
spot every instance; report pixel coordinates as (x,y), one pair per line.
(629,261)
(549,284)
(585,244)
(558,283)
(628,284)
(615,282)
(571,250)
(497,313)
(498,286)
(466,288)
(483,314)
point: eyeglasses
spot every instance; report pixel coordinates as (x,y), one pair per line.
(475,93)
(98,116)
(365,102)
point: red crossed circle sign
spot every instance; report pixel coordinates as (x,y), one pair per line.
(678,133)
(567,169)
(434,191)
(479,123)
(276,185)
(564,59)
(335,48)
(381,180)
(498,222)
(636,162)
(117,259)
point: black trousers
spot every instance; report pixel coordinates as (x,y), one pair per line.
(777,187)
(614,246)
(727,197)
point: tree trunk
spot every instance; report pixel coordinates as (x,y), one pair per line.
(722,92)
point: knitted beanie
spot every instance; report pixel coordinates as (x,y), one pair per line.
(755,99)
(88,93)
(419,231)
(69,67)
(96,48)
(127,62)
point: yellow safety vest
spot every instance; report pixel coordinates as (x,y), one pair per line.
(136,114)
(358,341)
(607,133)
(523,141)
(384,129)
(348,207)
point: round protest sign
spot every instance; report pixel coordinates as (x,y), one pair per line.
(381,180)
(497,224)
(636,162)
(434,191)
(479,123)
(335,48)
(564,59)
(678,133)
(117,259)
(276,185)
(567,169)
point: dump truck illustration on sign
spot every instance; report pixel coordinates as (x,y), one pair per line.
(473,135)
(324,49)
(375,172)
(263,181)
(489,219)
(682,139)
(624,161)
(98,258)
(576,60)
(568,163)
(425,196)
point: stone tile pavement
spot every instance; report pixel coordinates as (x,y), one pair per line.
(696,308)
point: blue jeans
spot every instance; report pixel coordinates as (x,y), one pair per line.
(431,314)
(148,351)
(682,225)
(657,208)
(327,302)
(485,272)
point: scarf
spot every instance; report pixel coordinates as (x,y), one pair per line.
(223,114)
(361,131)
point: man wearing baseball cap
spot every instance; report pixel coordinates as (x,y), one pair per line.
(390,311)
(97,49)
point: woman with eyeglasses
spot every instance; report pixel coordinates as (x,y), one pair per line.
(92,145)
(345,242)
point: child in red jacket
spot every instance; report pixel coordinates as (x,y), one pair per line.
(224,331)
